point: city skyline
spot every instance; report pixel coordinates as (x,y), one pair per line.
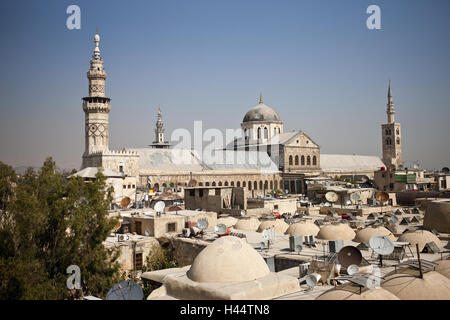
(327,87)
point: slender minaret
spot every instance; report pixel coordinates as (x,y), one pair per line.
(391,135)
(96,108)
(390,106)
(159,134)
(159,131)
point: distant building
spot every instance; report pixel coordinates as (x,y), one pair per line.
(392,136)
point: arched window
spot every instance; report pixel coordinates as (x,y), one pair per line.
(296,160)
(243,184)
(200,184)
(207,184)
(290,160)
(226,183)
(232,183)
(259,133)
(238,184)
(214,184)
(255,185)
(266,133)
(398,140)
(398,131)
(220,183)
(303,160)
(387,132)
(308,160)
(271,185)
(260,185)
(314,161)
(249,185)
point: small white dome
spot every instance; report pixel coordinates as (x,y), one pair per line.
(228,259)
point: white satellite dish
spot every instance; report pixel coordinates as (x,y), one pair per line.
(243,213)
(202,224)
(327,204)
(220,228)
(355,196)
(331,196)
(312,279)
(147,232)
(348,202)
(159,206)
(268,234)
(381,245)
(125,290)
(352,269)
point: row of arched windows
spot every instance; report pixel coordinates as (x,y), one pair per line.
(389,141)
(295,160)
(250,185)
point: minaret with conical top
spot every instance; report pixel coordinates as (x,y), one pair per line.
(390,106)
(391,135)
(96,108)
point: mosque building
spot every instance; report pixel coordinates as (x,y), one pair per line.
(266,157)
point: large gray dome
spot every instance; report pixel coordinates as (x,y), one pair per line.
(261,112)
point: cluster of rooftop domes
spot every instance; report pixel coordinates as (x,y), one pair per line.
(261,112)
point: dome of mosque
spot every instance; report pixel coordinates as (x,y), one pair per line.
(261,112)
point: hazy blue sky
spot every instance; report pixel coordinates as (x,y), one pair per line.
(315,62)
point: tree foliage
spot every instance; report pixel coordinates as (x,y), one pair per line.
(48,223)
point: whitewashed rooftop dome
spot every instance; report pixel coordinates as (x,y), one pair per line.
(228,259)
(261,112)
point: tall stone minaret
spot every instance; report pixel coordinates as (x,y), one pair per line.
(159,142)
(159,130)
(391,135)
(96,108)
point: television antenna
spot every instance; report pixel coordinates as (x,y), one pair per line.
(125,290)
(381,245)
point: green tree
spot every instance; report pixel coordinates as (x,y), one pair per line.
(49,223)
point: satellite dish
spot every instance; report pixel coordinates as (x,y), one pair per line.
(268,234)
(202,224)
(262,245)
(192,183)
(394,219)
(331,196)
(220,228)
(243,213)
(381,245)
(355,196)
(125,290)
(125,202)
(147,232)
(348,202)
(159,206)
(313,279)
(349,255)
(382,197)
(352,269)
(327,204)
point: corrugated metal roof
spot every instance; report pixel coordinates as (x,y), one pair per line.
(346,162)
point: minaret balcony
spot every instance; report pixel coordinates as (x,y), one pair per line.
(96,104)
